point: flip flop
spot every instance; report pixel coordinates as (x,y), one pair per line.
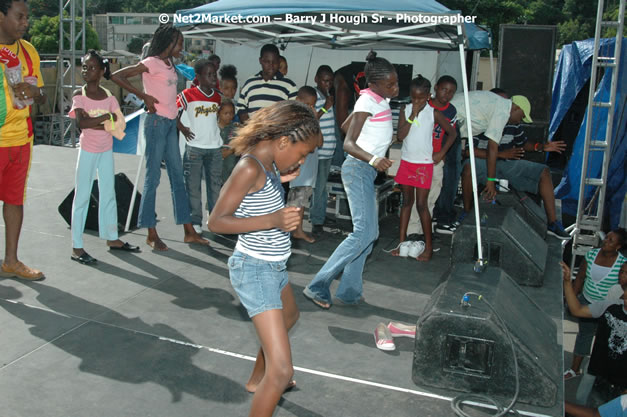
(126,247)
(85,259)
(312,297)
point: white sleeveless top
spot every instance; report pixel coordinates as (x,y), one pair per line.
(418,144)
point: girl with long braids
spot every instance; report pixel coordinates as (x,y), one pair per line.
(367,140)
(274,144)
(159,95)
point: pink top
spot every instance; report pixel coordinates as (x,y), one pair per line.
(93,140)
(160,82)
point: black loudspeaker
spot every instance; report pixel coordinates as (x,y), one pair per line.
(466,348)
(123,192)
(533,214)
(507,241)
(528,71)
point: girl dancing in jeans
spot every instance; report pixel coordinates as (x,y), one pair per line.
(367,140)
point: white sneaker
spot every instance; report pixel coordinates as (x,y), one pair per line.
(416,249)
(198,229)
(404,248)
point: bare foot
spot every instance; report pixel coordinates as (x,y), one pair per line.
(193,237)
(395,252)
(300,234)
(157,244)
(426,255)
(252,387)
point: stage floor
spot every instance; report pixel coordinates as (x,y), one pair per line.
(163,334)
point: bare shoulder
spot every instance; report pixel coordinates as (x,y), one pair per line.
(248,167)
(77,92)
(249,174)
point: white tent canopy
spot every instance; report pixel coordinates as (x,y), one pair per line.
(382,27)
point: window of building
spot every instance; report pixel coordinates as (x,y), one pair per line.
(116,20)
(150,20)
(133,20)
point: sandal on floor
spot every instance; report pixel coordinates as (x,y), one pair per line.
(127,247)
(85,259)
(312,297)
(571,374)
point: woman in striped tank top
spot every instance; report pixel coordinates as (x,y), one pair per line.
(273,144)
(597,273)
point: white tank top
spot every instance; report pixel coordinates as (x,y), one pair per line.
(418,144)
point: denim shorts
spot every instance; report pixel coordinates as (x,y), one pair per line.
(258,283)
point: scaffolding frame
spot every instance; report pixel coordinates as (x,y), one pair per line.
(69,11)
(587,232)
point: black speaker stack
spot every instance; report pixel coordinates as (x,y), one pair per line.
(123,192)
(460,345)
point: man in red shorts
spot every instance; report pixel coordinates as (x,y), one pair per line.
(16,132)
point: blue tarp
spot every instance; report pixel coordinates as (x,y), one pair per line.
(572,73)
(477,37)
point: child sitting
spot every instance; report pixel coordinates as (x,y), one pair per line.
(301,188)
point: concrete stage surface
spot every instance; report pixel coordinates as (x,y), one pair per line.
(163,334)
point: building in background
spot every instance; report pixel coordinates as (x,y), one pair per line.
(117,30)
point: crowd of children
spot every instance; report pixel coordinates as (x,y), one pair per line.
(244,149)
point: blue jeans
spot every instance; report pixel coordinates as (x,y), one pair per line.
(444,209)
(162,143)
(320,196)
(350,256)
(195,161)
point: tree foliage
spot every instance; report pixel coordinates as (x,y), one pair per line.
(135,45)
(44,35)
(575,19)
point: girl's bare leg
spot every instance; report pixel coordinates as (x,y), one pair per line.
(272,332)
(422,205)
(290,316)
(408,202)
(154,241)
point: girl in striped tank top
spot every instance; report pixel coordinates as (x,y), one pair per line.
(597,273)
(273,144)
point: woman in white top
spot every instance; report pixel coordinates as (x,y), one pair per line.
(367,140)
